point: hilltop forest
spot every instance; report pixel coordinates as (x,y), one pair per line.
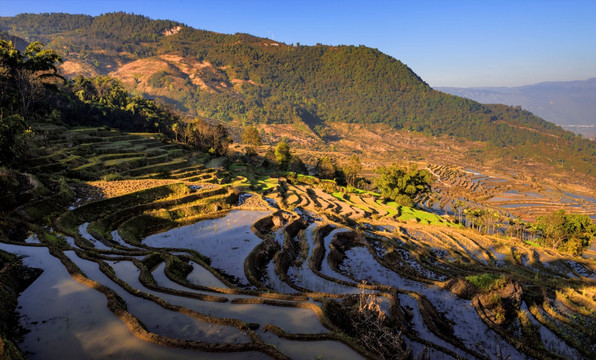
(255,80)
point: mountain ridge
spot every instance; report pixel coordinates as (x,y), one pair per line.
(570,104)
(313,85)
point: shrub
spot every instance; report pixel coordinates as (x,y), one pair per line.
(487,282)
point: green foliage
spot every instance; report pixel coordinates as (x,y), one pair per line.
(326,168)
(305,84)
(27,96)
(13,130)
(402,184)
(23,76)
(352,170)
(487,282)
(570,233)
(282,155)
(20,86)
(296,165)
(213,139)
(103,101)
(251,136)
(83,101)
(423,217)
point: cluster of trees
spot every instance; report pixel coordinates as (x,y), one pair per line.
(198,134)
(103,100)
(326,166)
(559,230)
(25,78)
(352,170)
(347,173)
(31,90)
(402,184)
(251,137)
(314,84)
(570,233)
(284,160)
(484,220)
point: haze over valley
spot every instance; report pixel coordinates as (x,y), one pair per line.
(570,104)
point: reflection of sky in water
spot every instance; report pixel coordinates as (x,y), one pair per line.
(227,241)
(73,322)
(299,350)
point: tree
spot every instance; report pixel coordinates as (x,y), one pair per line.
(22,77)
(270,160)
(176,129)
(475,216)
(326,168)
(213,139)
(251,136)
(297,165)
(493,218)
(570,233)
(22,80)
(221,140)
(12,130)
(402,184)
(459,207)
(352,170)
(282,155)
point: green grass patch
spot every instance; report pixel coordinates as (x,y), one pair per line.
(358,191)
(487,282)
(307,179)
(56,241)
(532,243)
(391,211)
(407,213)
(122,160)
(422,216)
(338,195)
(267,183)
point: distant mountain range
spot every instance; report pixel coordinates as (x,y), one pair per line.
(570,104)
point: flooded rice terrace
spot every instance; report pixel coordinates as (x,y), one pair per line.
(248,285)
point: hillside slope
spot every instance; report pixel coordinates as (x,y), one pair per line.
(255,80)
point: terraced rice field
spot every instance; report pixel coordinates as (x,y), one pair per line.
(199,262)
(510,195)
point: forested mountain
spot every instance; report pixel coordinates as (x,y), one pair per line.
(257,80)
(570,104)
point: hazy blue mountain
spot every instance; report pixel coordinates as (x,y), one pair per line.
(571,104)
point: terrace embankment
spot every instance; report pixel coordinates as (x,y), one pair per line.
(206,260)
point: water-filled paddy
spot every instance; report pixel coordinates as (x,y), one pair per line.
(70,320)
(224,240)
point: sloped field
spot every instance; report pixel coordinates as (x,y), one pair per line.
(197,262)
(511,194)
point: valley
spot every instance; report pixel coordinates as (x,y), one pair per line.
(169,192)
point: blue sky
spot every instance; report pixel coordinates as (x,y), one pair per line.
(447,43)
